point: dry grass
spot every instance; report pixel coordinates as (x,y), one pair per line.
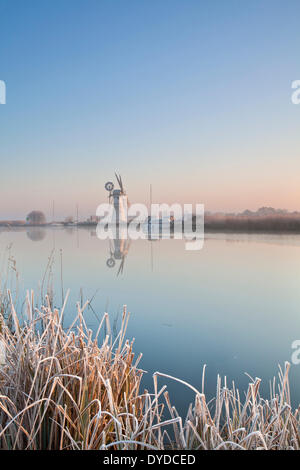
(9,281)
(278,223)
(73,390)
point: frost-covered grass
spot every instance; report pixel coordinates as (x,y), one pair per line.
(72,389)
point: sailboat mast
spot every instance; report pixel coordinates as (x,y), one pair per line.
(150,196)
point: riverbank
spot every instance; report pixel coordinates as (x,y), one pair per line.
(232,223)
(72,389)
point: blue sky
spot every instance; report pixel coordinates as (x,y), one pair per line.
(191,96)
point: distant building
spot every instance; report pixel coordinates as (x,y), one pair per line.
(94,219)
(69,220)
(36,218)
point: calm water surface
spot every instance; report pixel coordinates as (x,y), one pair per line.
(234,305)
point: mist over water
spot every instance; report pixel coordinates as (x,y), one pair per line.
(234,305)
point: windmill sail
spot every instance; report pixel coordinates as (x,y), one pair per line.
(119,179)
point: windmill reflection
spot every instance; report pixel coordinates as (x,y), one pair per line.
(118,249)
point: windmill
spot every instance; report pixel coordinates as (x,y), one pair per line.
(119,199)
(119,247)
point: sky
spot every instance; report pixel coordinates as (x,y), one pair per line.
(191,96)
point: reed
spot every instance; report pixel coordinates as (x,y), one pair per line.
(71,389)
(276,223)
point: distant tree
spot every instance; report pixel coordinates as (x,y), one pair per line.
(36,218)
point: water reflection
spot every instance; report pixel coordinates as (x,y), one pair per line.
(232,306)
(36,234)
(118,249)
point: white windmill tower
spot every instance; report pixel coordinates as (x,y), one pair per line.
(119,199)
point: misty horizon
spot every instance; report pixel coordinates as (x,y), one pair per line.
(262,211)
